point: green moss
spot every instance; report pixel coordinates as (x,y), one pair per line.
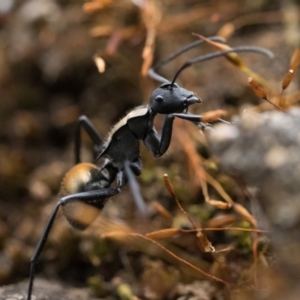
(97,285)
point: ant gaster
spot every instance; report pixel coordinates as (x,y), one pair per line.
(87,185)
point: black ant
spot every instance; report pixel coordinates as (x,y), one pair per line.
(88,184)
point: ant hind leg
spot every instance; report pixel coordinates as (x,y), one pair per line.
(96,198)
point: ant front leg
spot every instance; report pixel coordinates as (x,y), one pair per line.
(97,198)
(158,145)
(86,124)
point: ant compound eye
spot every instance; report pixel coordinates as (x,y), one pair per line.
(159,99)
(185,102)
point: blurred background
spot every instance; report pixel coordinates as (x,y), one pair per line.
(48,78)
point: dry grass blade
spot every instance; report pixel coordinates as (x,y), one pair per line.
(195,166)
(96,5)
(180,259)
(151,15)
(232,57)
(285,83)
(241,210)
(129,238)
(217,45)
(221,220)
(202,241)
(226,30)
(225,228)
(163,233)
(213,115)
(171,190)
(257,89)
(287,79)
(101,31)
(170,187)
(148,52)
(295,60)
(235,59)
(294,63)
(261,93)
(218,204)
(225,249)
(255,257)
(161,210)
(119,236)
(217,186)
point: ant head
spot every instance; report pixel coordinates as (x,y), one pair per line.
(170,98)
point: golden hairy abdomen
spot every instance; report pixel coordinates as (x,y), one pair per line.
(78,177)
(79,214)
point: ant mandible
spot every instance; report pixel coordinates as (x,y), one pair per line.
(90,185)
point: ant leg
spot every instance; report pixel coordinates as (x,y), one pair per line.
(89,197)
(158,145)
(128,175)
(89,128)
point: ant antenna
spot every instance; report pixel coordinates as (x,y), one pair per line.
(210,56)
(152,71)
